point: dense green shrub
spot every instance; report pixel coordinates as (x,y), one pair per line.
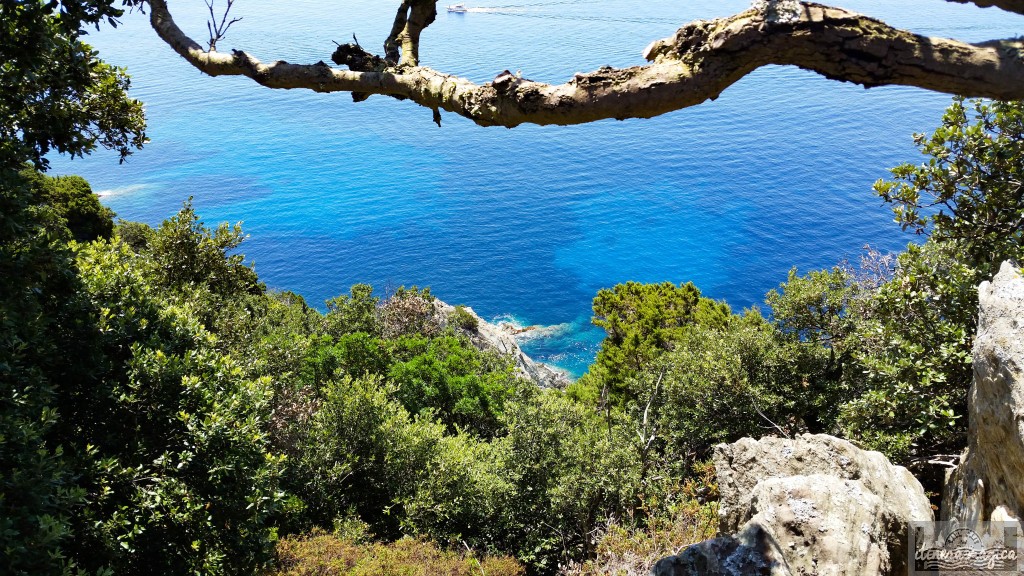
(721,385)
(360,451)
(570,469)
(912,355)
(184,255)
(136,235)
(355,312)
(42,308)
(71,199)
(462,318)
(179,474)
(641,322)
(462,386)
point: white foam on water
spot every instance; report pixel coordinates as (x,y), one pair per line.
(121,190)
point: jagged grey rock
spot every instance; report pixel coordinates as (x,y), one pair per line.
(814,504)
(744,464)
(716,557)
(989,482)
(489,336)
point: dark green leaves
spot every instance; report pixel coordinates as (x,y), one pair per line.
(971,189)
(55,93)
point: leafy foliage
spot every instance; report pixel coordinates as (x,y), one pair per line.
(353,313)
(464,319)
(71,199)
(55,93)
(186,256)
(973,178)
(642,321)
(179,473)
(42,308)
(913,352)
(465,388)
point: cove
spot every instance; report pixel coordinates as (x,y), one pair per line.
(525,224)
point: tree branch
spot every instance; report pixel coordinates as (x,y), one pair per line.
(1008,5)
(413,16)
(696,64)
(218,30)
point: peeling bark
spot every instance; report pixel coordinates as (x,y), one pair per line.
(696,64)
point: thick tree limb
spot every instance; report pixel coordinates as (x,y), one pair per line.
(696,64)
(413,16)
(1008,5)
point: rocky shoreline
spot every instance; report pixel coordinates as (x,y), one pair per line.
(503,337)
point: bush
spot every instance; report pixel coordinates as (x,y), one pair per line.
(360,452)
(643,321)
(184,254)
(721,385)
(409,311)
(356,312)
(43,309)
(321,554)
(135,234)
(913,357)
(179,472)
(72,200)
(463,319)
(462,386)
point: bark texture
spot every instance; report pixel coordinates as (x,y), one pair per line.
(696,64)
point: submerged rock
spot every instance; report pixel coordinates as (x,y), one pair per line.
(814,504)
(989,482)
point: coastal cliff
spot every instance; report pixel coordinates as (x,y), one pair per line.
(988,483)
(502,338)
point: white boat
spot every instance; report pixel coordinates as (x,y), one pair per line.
(458,8)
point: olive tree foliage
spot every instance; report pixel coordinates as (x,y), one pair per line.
(694,65)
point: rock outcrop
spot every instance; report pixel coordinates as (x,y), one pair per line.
(488,336)
(810,505)
(989,482)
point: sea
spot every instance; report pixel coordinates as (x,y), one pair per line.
(523,225)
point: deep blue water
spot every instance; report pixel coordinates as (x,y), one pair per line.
(529,222)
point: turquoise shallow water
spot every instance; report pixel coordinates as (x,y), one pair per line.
(526,223)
